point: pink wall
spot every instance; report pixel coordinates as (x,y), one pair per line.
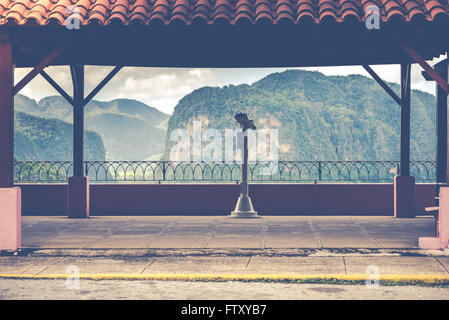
(204,199)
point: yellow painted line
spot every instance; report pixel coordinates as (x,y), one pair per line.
(393,278)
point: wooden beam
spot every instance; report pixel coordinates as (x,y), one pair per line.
(420,60)
(382,84)
(102,84)
(37,69)
(73,73)
(441,125)
(53,83)
(440,67)
(6,115)
(78,120)
(405,120)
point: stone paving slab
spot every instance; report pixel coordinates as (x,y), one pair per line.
(207,265)
(122,241)
(180,241)
(20,265)
(13,289)
(236,241)
(349,241)
(285,265)
(444,262)
(70,241)
(309,241)
(395,265)
(224,232)
(296,265)
(96,266)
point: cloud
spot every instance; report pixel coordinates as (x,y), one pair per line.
(162,88)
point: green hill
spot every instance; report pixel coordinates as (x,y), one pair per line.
(50,139)
(318,117)
(130,130)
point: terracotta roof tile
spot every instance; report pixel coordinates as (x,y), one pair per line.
(284,11)
(42,12)
(305,11)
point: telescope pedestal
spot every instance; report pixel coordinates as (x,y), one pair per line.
(244,208)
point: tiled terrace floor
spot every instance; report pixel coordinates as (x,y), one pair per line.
(223,232)
(220,245)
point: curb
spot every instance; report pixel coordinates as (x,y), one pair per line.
(386,279)
(219,252)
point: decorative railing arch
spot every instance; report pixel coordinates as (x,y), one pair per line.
(171,171)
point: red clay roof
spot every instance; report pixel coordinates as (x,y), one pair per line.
(43,12)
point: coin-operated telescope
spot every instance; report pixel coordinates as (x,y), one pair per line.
(244,207)
(244,122)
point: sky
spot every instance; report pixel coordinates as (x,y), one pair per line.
(162,88)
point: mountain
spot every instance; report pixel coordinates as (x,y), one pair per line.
(50,139)
(318,117)
(130,130)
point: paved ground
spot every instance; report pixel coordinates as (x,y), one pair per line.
(234,265)
(180,290)
(220,245)
(224,232)
(186,246)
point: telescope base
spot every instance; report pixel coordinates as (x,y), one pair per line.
(244,208)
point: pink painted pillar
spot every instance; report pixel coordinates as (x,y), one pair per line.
(10,197)
(404,197)
(10,219)
(441,241)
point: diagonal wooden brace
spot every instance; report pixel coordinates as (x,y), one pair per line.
(102,84)
(382,84)
(66,96)
(420,60)
(57,87)
(37,69)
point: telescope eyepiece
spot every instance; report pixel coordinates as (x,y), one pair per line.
(244,122)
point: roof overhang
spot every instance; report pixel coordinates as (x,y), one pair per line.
(326,33)
(224,46)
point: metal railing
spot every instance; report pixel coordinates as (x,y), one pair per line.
(193,172)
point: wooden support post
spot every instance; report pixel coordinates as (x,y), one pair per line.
(6,114)
(78,120)
(446,67)
(441,129)
(10,197)
(405,120)
(447,150)
(404,184)
(441,69)
(78,186)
